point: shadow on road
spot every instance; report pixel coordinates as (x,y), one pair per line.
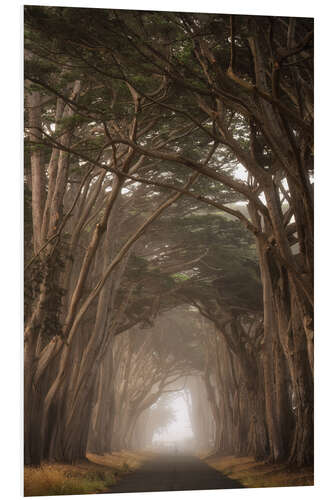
(175,473)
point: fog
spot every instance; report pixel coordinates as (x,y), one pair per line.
(158,392)
(180,429)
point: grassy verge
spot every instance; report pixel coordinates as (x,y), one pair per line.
(97,475)
(254,474)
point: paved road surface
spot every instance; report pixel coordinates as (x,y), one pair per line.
(174,473)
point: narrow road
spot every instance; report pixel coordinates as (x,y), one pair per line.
(174,473)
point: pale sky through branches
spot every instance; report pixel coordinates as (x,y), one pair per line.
(179,429)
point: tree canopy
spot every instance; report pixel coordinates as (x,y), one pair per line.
(168,166)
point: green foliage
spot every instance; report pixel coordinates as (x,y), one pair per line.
(183,51)
(70,122)
(39,69)
(103,48)
(180,277)
(43,272)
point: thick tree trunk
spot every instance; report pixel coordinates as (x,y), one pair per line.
(32,413)
(283,326)
(34,103)
(302,446)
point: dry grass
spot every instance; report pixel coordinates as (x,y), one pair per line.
(97,475)
(121,460)
(254,474)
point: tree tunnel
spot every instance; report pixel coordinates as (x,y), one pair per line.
(157,388)
(177,385)
(167,183)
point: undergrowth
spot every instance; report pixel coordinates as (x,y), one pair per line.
(254,474)
(97,475)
